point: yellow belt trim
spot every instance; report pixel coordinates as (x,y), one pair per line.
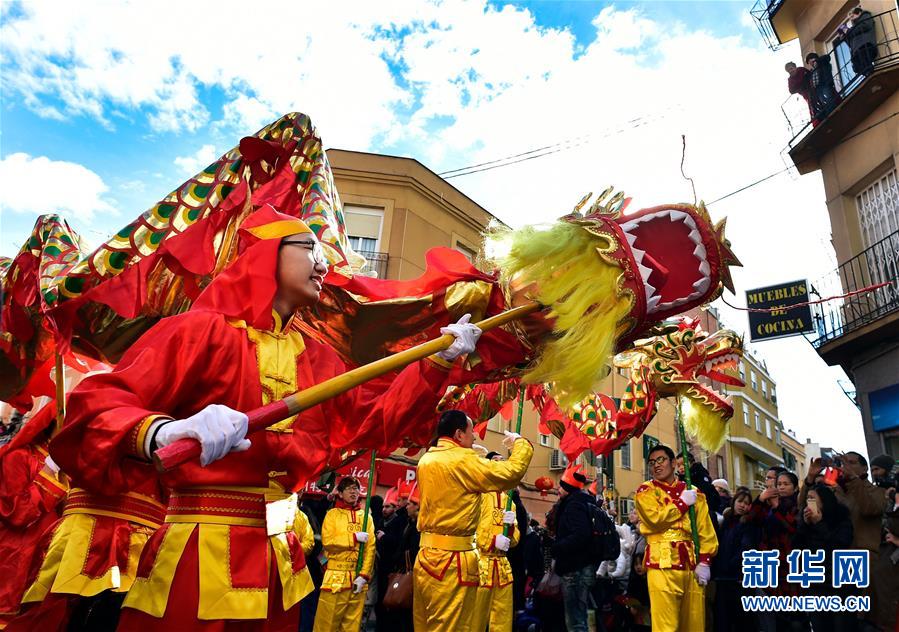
(207,519)
(447,542)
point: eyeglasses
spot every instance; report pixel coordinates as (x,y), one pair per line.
(658,461)
(318,253)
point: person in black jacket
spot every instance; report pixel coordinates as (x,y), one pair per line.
(736,535)
(826,525)
(861,38)
(389,537)
(822,90)
(573,564)
(515,555)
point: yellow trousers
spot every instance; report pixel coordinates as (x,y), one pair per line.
(676,600)
(339,611)
(495,607)
(446,605)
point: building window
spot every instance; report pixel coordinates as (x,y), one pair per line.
(469,253)
(737,480)
(625,507)
(773,394)
(755,382)
(722,473)
(758,423)
(625,450)
(363,227)
(776,435)
(496,423)
(767,427)
(878,214)
(545,440)
(764,389)
(746,414)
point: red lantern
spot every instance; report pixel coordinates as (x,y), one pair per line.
(544,484)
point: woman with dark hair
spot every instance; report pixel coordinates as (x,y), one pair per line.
(737,534)
(778,533)
(826,525)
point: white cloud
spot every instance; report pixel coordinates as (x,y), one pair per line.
(191,165)
(40,185)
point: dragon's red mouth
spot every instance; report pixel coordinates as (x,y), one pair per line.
(669,247)
(713,369)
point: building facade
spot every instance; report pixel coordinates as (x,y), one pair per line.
(856,148)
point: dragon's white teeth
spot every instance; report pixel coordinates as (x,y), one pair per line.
(704,268)
(702,285)
(695,237)
(699,252)
(644,272)
(630,239)
(652,303)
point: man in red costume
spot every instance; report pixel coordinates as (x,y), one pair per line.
(31,492)
(214,564)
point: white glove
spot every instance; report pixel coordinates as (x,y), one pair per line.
(508,517)
(51,465)
(218,428)
(703,574)
(361,536)
(359,585)
(510,439)
(466,338)
(502,543)
(688,496)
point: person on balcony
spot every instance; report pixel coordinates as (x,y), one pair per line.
(797,83)
(821,89)
(861,39)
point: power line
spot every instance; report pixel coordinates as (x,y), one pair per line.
(542,151)
(777,173)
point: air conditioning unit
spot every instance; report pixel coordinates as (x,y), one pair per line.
(557,460)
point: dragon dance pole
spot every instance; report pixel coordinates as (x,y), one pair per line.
(683,445)
(371,484)
(185,450)
(517,431)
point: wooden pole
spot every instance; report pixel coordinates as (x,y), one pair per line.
(185,450)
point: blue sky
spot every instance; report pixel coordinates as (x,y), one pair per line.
(108,107)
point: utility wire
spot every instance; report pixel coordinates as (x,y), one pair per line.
(543,151)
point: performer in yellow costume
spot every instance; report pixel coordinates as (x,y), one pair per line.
(342,596)
(451,478)
(495,591)
(676,576)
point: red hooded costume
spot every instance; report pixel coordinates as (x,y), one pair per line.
(30,499)
(213,559)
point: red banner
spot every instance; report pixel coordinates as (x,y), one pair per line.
(387,473)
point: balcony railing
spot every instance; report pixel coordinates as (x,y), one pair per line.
(877,264)
(762,11)
(846,79)
(377,263)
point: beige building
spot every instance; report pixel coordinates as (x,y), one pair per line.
(856,149)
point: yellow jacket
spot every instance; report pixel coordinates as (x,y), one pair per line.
(665,521)
(493,566)
(451,480)
(304,532)
(342,550)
